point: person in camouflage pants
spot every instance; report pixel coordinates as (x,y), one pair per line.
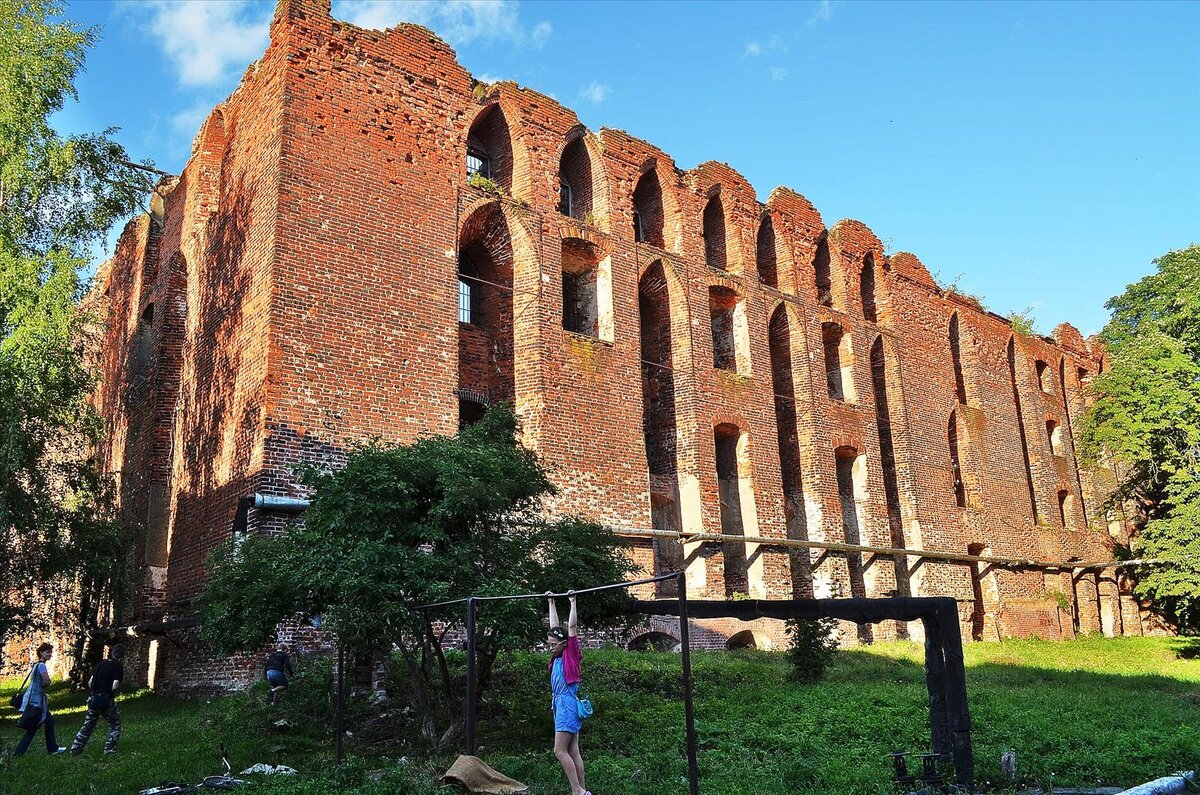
(101,703)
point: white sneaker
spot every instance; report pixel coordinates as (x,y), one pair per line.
(62,749)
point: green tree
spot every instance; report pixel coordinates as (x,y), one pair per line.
(1146,422)
(401,526)
(58,196)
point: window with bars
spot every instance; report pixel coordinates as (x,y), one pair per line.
(465,315)
(478,163)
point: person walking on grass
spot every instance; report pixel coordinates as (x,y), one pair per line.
(565,658)
(279,666)
(36,704)
(102,702)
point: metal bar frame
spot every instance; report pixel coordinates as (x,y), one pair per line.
(945,672)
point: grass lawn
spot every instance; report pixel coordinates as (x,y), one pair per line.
(1096,710)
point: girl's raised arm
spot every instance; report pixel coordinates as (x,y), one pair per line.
(553,610)
(573,618)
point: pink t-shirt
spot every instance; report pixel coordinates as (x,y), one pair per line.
(572,656)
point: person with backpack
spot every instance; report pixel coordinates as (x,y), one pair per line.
(102,702)
(35,706)
(279,665)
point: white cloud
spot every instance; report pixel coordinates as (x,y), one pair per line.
(778,73)
(541,32)
(596,92)
(208,41)
(488,77)
(187,121)
(824,12)
(753,48)
(458,22)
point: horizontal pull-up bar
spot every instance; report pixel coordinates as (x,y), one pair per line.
(611,586)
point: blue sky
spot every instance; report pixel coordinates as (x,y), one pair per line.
(1038,154)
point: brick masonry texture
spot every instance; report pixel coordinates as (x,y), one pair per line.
(730,365)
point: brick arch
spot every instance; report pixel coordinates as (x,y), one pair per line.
(681,324)
(850,242)
(778,246)
(601,190)
(850,441)
(520,178)
(672,231)
(523,238)
(711,180)
(731,418)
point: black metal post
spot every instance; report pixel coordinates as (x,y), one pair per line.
(470,705)
(341,699)
(688,708)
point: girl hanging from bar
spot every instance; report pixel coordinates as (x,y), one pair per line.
(565,658)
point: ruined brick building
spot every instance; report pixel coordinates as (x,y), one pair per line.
(368,242)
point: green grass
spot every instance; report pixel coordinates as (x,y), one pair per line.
(1111,711)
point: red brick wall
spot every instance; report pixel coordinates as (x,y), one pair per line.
(304,274)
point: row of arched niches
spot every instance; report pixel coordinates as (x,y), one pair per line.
(789,255)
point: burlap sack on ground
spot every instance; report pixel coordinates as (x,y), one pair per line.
(473,775)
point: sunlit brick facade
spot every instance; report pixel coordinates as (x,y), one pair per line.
(682,356)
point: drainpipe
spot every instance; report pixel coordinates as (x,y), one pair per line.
(270,502)
(1167,785)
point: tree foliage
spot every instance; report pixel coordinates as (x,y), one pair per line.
(1146,422)
(402,526)
(58,196)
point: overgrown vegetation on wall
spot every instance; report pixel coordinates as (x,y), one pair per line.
(1146,423)
(58,197)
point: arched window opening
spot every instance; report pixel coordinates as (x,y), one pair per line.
(783,387)
(485,309)
(148,314)
(765,253)
(960,491)
(960,386)
(851,470)
(887,459)
(1012,374)
(586,290)
(575,181)
(838,362)
(658,419)
(1064,507)
(1045,377)
(821,271)
(729,330)
(1054,434)
(714,234)
(470,412)
(866,287)
(489,149)
(658,375)
(648,210)
(736,494)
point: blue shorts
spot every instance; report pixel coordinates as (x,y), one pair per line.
(566,714)
(277,678)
